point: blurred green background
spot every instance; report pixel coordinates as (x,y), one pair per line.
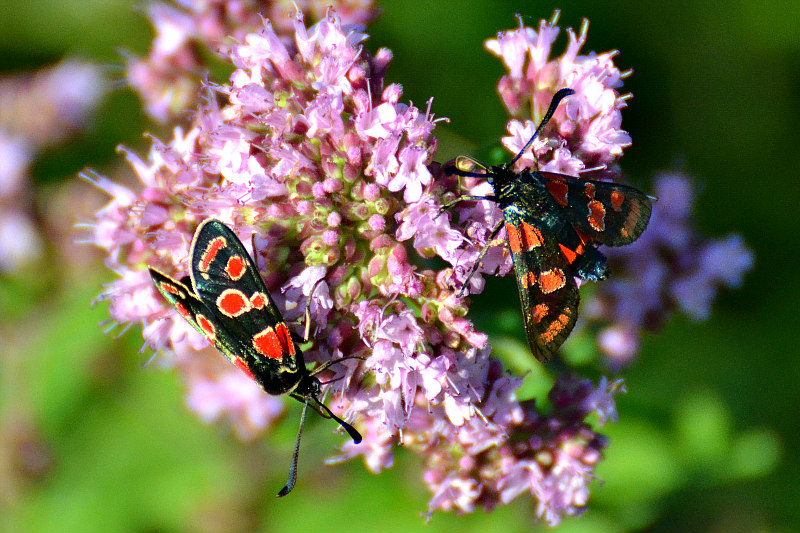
(92,441)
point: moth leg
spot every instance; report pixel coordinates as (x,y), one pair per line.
(307,313)
(458,167)
(477,263)
(466,198)
(458,171)
(306,317)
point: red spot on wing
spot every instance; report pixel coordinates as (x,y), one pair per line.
(268,343)
(170,288)
(232,303)
(616,199)
(584,238)
(588,190)
(207,327)
(531,237)
(555,327)
(530,279)
(235,268)
(570,254)
(630,220)
(286,338)
(183,311)
(241,365)
(540,311)
(514,238)
(597,215)
(258,300)
(216,244)
(557,189)
(552,280)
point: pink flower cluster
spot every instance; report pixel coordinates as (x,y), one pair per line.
(312,153)
(586,132)
(168,79)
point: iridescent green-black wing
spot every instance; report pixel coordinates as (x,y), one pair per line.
(547,290)
(607,213)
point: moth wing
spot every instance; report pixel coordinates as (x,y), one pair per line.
(607,213)
(548,293)
(227,281)
(195,312)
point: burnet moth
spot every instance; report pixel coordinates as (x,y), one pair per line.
(224,298)
(553,225)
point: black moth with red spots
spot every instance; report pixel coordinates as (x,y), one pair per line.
(553,223)
(225,299)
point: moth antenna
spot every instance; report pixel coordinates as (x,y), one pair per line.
(293,468)
(354,434)
(560,95)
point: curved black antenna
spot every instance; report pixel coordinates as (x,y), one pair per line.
(560,95)
(354,434)
(293,468)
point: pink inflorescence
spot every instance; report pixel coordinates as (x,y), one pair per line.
(187,32)
(306,148)
(498,448)
(312,153)
(586,132)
